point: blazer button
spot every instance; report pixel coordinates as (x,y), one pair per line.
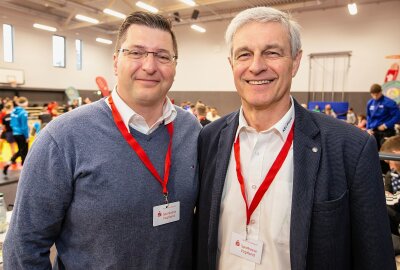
(314,149)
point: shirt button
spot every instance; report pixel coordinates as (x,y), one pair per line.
(253,186)
(257,153)
(252,221)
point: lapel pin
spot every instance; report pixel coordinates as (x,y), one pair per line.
(314,149)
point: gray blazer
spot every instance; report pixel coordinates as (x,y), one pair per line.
(338,219)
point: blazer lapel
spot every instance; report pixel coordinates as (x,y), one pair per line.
(306,155)
(223,154)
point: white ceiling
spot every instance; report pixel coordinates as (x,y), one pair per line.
(61,13)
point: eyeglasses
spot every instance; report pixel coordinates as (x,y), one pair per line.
(162,57)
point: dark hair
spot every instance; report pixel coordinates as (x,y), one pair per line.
(151,20)
(375,89)
(391,144)
(201,109)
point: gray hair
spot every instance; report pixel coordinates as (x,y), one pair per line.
(263,15)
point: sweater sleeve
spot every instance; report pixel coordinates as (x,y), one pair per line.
(43,197)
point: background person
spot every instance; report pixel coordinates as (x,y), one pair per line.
(213,115)
(20,129)
(329,111)
(382,114)
(201,113)
(351,117)
(7,133)
(105,182)
(281,187)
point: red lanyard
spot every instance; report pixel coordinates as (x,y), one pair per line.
(140,151)
(268,178)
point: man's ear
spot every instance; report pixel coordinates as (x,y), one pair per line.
(115,58)
(296,63)
(230,62)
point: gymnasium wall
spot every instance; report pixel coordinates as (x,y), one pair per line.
(203,66)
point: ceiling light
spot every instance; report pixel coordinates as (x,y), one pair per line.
(86,19)
(146,7)
(352,8)
(103,40)
(189,2)
(198,28)
(44,27)
(114,13)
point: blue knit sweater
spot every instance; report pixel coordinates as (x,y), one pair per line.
(84,189)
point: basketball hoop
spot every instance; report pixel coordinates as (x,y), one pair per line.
(12,81)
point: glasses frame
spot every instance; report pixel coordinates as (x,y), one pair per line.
(146,53)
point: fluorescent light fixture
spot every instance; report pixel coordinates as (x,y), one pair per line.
(352,8)
(103,40)
(44,27)
(114,13)
(198,28)
(86,19)
(189,2)
(146,7)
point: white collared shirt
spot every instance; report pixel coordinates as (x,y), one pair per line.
(270,222)
(136,121)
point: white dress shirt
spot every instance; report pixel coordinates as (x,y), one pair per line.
(136,121)
(270,222)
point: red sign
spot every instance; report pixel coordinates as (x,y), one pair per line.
(102,84)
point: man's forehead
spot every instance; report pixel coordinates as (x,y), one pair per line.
(138,35)
(243,32)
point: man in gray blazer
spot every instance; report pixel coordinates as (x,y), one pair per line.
(281,187)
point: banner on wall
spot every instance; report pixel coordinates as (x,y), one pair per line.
(391,87)
(72,93)
(392,90)
(391,74)
(103,87)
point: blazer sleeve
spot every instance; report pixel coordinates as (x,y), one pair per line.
(371,238)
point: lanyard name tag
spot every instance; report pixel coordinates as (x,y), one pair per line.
(166,213)
(250,250)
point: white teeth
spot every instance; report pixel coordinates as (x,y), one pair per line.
(259,82)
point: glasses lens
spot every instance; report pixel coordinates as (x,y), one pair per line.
(136,54)
(163,57)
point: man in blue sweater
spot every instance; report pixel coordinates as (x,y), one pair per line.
(382,114)
(113,184)
(19,126)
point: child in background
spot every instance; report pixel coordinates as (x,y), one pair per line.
(362,121)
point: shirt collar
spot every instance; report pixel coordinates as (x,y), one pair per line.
(128,114)
(282,126)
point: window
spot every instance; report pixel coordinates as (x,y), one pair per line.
(78,49)
(8,43)
(58,51)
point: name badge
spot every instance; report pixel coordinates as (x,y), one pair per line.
(166,213)
(250,250)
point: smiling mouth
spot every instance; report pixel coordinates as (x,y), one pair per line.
(147,80)
(253,82)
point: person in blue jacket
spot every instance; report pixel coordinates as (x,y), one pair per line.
(19,125)
(382,114)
